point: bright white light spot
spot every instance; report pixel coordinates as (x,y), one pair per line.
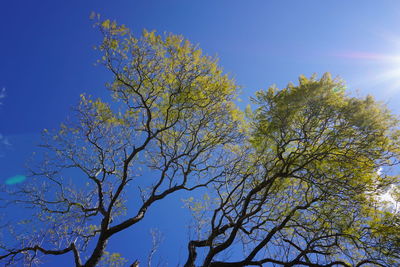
(386,199)
(384,71)
(388,202)
(379,172)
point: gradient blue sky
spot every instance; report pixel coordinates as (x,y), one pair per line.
(46,61)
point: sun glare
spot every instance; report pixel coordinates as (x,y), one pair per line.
(383,71)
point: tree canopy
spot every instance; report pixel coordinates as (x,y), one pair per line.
(296,181)
(307,190)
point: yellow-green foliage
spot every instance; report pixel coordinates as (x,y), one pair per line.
(112,260)
(165,84)
(166,70)
(349,135)
(317,135)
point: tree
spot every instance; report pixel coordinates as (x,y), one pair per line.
(164,130)
(307,193)
(296,182)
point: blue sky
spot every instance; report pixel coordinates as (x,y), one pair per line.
(47,60)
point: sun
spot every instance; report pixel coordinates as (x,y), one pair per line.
(383,71)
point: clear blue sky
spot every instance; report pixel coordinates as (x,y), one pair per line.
(46,59)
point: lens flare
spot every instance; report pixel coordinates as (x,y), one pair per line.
(383,73)
(15,179)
